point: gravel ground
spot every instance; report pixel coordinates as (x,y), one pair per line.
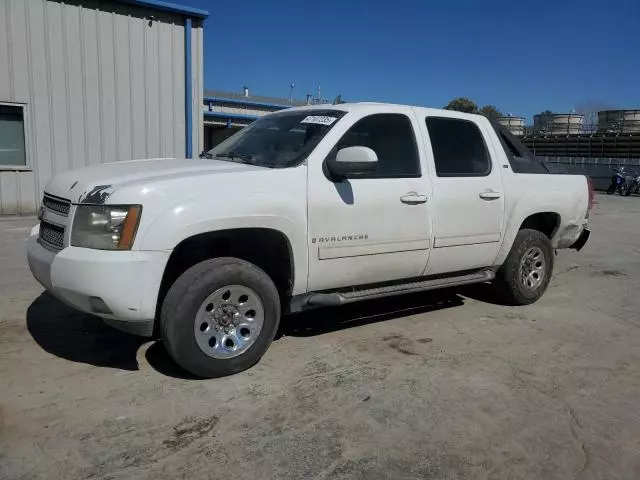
(446,385)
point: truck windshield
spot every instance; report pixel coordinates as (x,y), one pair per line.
(278,140)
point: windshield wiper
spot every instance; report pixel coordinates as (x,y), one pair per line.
(233,155)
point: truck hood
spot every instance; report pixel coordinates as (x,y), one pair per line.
(97,183)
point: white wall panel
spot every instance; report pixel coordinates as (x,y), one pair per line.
(100,83)
(178,86)
(9,193)
(17,193)
(198,86)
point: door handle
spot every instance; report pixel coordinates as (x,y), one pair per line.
(489,195)
(413,198)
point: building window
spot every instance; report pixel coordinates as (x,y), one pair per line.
(13,152)
(458,148)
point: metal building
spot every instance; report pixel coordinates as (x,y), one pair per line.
(619,121)
(559,123)
(514,124)
(84,82)
(227,112)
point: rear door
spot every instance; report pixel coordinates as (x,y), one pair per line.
(468,195)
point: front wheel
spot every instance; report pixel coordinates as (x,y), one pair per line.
(526,272)
(611,189)
(219,317)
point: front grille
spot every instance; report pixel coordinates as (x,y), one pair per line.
(55,204)
(51,235)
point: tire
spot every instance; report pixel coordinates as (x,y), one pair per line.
(627,191)
(201,336)
(611,189)
(513,287)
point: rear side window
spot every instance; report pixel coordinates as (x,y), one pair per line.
(458,148)
(391,136)
(509,147)
(520,157)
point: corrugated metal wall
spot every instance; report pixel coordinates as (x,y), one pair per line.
(100,84)
(197,43)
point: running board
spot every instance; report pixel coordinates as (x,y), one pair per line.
(342,298)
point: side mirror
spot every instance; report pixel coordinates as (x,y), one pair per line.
(353,161)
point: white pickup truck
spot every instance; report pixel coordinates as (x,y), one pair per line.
(307,207)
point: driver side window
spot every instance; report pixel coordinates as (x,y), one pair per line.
(391,136)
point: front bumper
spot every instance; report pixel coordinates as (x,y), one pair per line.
(119,286)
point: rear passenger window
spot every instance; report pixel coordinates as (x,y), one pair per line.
(458,148)
(391,136)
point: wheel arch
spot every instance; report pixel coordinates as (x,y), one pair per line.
(545,222)
(544,219)
(267,248)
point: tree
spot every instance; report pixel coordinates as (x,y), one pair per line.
(490,111)
(590,109)
(462,104)
(544,118)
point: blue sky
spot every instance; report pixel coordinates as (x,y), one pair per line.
(522,56)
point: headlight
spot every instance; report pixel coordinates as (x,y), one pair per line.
(105,227)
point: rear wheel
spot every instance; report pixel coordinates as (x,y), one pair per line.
(526,272)
(220,317)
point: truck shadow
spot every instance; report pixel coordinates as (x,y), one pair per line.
(318,322)
(482,292)
(325,320)
(78,337)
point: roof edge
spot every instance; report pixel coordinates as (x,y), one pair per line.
(170,7)
(248,102)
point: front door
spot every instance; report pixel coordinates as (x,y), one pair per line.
(374,227)
(468,195)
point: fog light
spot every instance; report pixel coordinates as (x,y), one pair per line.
(98,306)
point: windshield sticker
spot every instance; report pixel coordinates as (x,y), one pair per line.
(319,120)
